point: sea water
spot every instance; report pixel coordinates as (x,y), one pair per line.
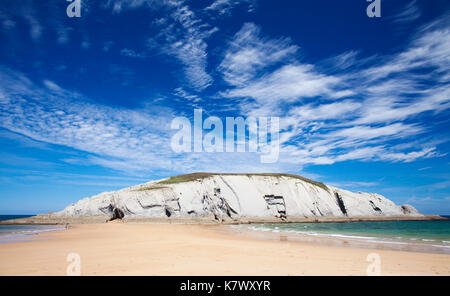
(432,234)
(18,233)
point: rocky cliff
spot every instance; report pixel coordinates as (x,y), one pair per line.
(233,196)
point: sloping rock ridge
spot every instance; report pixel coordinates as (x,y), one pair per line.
(232,196)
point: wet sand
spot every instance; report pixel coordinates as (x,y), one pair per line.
(117,248)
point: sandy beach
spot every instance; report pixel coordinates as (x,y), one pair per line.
(176,249)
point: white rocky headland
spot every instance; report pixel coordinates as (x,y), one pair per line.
(234,196)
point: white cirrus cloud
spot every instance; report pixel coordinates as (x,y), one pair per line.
(286,84)
(248,54)
(224,7)
(120,5)
(368,108)
(131,53)
(407,14)
(183,36)
(136,141)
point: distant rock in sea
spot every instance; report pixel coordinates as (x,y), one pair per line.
(236,196)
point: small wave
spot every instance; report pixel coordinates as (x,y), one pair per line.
(387,242)
(338,235)
(27,232)
(259,228)
(441,246)
(351,236)
(38,231)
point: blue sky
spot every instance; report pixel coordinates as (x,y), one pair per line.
(86,103)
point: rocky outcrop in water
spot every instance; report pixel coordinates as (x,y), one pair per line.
(234,196)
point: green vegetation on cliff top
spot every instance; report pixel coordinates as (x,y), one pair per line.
(199,176)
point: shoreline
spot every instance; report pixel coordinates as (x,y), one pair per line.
(23,233)
(117,248)
(342,240)
(46,219)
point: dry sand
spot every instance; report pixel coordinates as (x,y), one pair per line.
(174,249)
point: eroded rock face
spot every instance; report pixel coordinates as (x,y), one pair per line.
(234,196)
(409,210)
(117,214)
(276,204)
(341,203)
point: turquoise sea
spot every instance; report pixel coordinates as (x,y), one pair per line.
(17,233)
(411,234)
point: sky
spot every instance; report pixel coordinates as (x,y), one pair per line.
(86,103)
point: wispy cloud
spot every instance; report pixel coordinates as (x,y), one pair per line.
(286,84)
(180,92)
(119,5)
(107,45)
(249,54)
(25,13)
(346,107)
(131,53)
(409,13)
(184,37)
(35,26)
(85,44)
(358,112)
(224,7)
(121,135)
(136,141)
